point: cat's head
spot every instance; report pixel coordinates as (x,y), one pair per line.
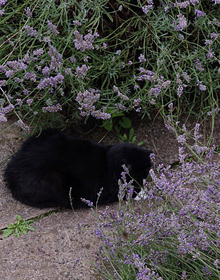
(135,158)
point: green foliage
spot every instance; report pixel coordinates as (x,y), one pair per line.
(108,124)
(119,122)
(20,227)
(114,57)
(130,137)
(172,233)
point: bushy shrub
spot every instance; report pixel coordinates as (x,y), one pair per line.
(63,59)
(174,233)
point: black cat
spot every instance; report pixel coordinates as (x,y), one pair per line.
(41,173)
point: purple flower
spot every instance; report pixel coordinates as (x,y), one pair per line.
(214,111)
(147,8)
(199,13)
(136,102)
(122,96)
(26,58)
(186,77)
(72,59)
(86,58)
(142,58)
(19,102)
(76,22)
(43,83)
(155,91)
(183,5)
(86,100)
(100,115)
(170,106)
(120,106)
(46,39)
(17,65)
(52,81)
(181,139)
(29,101)
(3,83)
(38,52)
(104,45)
(181,23)
(3,2)
(208,42)
(184,275)
(9,73)
(56,59)
(214,35)
(30,31)
(46,71)
(198,65)
(18,80)
(118,52)
(201,86)
(26,92)
(68,71)
(194,2)
(28,12)
(87,202)
(7,109)
(30,76)
(179,90)
(53,28)
(21,124)
(210,54)
(3,68)
(84,43)
(146,75)
(58,79)
(52,108)
(82,71)
(144,273)
(3,118)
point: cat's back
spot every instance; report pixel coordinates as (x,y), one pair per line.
(54,148)
(44,141)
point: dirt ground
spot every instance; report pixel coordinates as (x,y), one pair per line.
(63,245)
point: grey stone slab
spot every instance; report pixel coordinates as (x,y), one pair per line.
(62,247)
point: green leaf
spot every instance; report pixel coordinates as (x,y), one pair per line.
(7,232)
(116,128)
(107,124)
(133,139)
(20,227)
(122,137)
(125,122)
(131,133)
(118,114)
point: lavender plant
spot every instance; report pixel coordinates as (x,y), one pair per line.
(61,60)
(175,232)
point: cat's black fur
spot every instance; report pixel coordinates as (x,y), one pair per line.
(41,173)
